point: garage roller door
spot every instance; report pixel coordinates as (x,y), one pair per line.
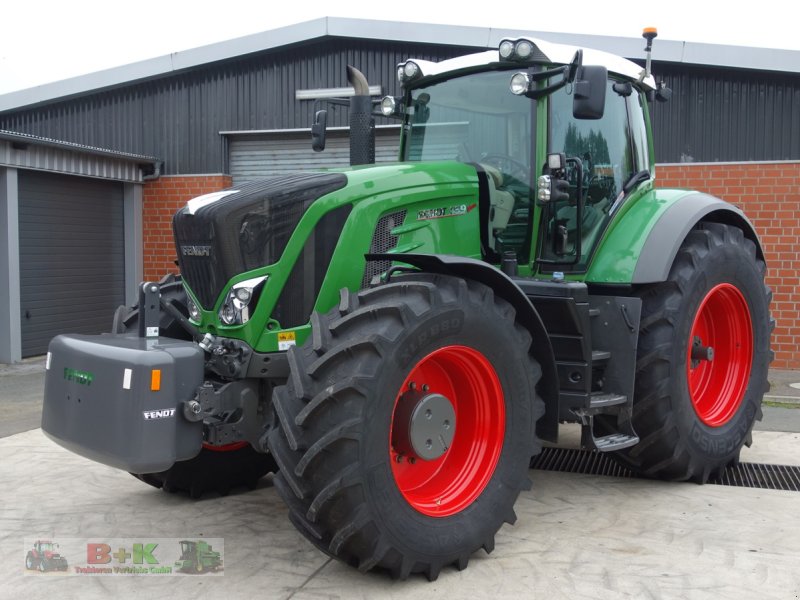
(72,256)
(255,156)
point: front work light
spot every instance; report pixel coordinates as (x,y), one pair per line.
(407,71)
(506,49)
(524,49)
(520,50)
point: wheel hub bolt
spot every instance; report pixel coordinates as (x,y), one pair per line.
(700,352)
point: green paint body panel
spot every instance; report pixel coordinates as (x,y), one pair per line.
(441,200)
(615,259)
(372,191)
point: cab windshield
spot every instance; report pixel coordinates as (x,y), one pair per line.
(475,119)
(470,119)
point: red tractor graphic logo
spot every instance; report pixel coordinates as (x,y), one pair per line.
(45,557)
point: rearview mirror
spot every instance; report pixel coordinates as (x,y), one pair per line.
(589,92)
(318,130)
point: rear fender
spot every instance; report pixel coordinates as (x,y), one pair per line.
(641,244)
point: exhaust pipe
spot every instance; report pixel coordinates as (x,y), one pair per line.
(362,123)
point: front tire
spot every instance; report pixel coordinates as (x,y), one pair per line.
(216,469)
(703,358)
(364,478)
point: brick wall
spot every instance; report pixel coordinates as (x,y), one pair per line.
(161,199)
(769,194)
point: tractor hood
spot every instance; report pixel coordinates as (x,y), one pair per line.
(221,235)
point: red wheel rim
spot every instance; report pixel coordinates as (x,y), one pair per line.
(450,483)
(717,386)
(226,447)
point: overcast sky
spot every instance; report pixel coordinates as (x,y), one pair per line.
(50,40)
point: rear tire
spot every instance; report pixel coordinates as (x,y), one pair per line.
(216,469)
(693,415)
(355,386)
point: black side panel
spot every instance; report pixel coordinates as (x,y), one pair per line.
(72,256)
(244,230)
(302,288)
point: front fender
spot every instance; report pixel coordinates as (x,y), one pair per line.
(641,244)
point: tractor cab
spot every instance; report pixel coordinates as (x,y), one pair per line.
(560,142)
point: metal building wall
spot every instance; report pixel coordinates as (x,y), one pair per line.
(715,114)
(178,118)
(727,115)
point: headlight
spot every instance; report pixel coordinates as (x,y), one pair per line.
(195,316)
(241,298)
(194,311)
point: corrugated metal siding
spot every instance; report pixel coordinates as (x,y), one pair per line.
(727,115)
(258,156)
(72,256)
(179,117)
(68,161)
(715,114)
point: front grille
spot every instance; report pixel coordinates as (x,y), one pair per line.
(382,241)
(752,475)
(244,230)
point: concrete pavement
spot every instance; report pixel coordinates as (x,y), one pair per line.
(577,536)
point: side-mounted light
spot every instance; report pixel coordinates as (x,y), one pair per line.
(390,107)
(520,84)
(241,298)
(543,193)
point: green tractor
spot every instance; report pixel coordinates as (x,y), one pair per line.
(396,341)
(198,557)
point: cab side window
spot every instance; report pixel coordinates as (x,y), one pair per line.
(603,154)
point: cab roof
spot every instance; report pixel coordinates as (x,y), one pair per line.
(556,54)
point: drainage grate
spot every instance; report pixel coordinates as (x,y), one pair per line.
(752,475)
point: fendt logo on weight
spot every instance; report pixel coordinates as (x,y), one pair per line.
(82,377)
(164,413)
